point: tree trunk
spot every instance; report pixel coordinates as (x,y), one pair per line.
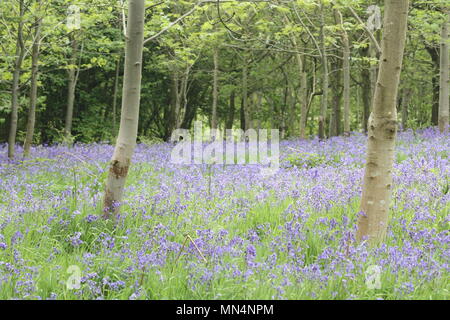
(377,184)
(245,106)
(434,54)
(373,72)
(215,89)
(406,98)
(303,104)
(374,68)
(346,70)
(129,119)
(116,89)
(366,95)
(325,81)
(230,119)
(182,100)
(15,92)
(302,91)
(444,79)
(334,128)
(176,99)
(33,91)
(291,109)
(71,85)
(242,114)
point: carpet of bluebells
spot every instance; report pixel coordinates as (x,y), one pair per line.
(224,231)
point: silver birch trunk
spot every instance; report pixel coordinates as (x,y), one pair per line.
(377,183)
(116,89)
(126,140)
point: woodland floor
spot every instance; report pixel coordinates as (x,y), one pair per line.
(286,236)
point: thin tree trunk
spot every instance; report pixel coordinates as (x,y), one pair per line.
(33,91)
(346,67)
(257,109)
(176,99)
(334,127)
(366,98)
(71,85)
(242,114)
(373,72)
(325,79)
(377,184)
(346,71)
(183,100)
(309,102)
(406,97)
(245,105)
(230,120)
(129,119)
(434,54)
(170,113)
(283,113)
(15,92)
(444,78)
(291,109)
(215,89)
(366,95)
(303,90)
(303,104)
(374,54)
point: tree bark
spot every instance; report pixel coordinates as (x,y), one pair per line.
(182,101)
(444,78)
(303,104)
(215,89)
(374,68)
(335,117)
(245,106)
(346,72)
(15,91)
(33,91)
(377,184)
(116,89)
(434,54)
(230,119)
(291,104)
(302,91)
(406,98)
(129,119)
(366,95)
(325,77)
(71,85)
